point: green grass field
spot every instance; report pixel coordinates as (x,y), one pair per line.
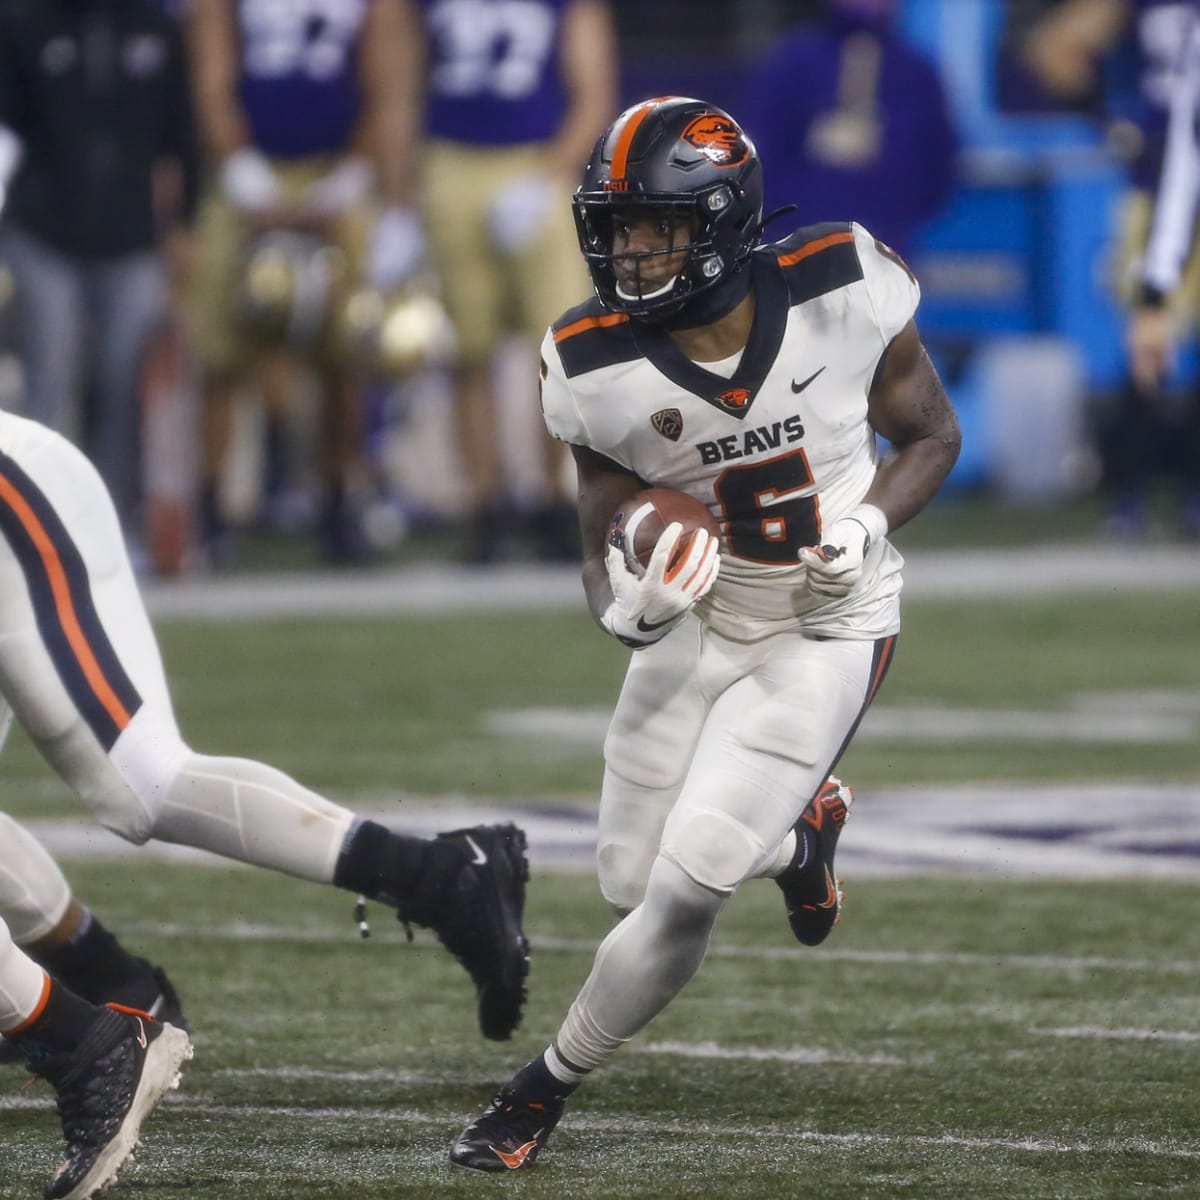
(958,1037)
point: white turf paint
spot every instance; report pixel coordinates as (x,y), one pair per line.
(198,1106)
(1133,830)
(530,587)
(1090,718)
(806,1056)
(1098,1032)
(391,935)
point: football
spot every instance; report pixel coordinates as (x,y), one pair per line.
(637,524)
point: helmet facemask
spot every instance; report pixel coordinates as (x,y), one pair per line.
(708,250)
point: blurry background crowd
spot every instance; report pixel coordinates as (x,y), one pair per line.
(280,265)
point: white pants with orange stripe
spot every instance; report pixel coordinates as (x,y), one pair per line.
(715,748)
(81,670)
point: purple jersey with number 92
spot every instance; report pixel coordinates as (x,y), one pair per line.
(299,84)
(494,70)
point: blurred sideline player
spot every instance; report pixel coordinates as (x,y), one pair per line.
(755,378)
(516,96)
(81,671)
(99,160)
(306,108)
(847,115)
(109,1067)
(1166,297)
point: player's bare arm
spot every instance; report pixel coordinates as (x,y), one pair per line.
(213,49)
(393,79)
(589,66)
(603,486)
(909,407)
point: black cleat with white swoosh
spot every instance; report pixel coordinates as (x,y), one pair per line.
(478,919)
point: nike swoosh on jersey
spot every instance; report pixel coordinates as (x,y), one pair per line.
(516,1158)
(799,387)
(477,855)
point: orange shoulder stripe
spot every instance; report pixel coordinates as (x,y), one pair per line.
(811,248)
(63,604)
(586,323)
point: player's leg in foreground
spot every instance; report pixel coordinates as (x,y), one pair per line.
(85,678)
(108,1068)
(729,822)
(68,940)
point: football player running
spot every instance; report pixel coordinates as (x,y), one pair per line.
(756,378)
(81,670)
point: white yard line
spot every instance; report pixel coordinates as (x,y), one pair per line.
(1132,829)
(389,933)
(1100,1033)
(200,1107)
(431,588)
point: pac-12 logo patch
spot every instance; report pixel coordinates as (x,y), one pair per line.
(668,422)
(718,139)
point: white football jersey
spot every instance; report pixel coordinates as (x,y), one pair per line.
(779,450)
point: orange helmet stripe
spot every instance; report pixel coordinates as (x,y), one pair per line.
(811,248)
(620,160)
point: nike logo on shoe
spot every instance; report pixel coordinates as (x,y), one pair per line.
(141,1034)
(799,387)
(516,1158)
(831,896)
(477,855)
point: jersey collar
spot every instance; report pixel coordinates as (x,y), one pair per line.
(735,395)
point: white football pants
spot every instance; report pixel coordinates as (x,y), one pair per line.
(714,750)
(22,983)
(80,668)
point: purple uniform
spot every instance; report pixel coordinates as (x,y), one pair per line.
(299,84)
(852,125)
(494,78)
(1159,31)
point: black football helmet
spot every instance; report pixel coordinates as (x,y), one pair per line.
(678,153)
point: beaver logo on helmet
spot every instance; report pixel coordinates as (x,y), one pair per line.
(718,139)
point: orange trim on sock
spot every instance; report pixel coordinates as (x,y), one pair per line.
(130,1012)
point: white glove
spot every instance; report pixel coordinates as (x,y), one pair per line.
(11,153)
(646,608)
(250,182)
(397,248)
(836,565)
(519,210)
(345,187)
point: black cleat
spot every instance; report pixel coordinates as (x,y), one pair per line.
(106,1088)
(809,886)
(512,1130)
(148,991)
(479,921)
